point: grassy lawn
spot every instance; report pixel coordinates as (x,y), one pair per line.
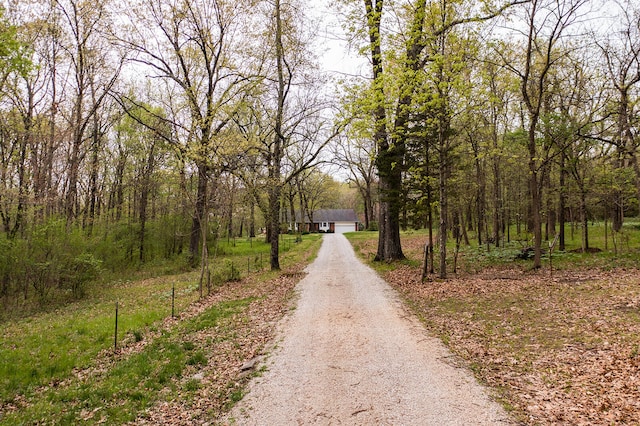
(61,366)
(561,348)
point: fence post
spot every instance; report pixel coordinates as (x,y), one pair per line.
(173,300)
(115,336)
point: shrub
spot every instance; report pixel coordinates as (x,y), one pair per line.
(225,272)
(81,270)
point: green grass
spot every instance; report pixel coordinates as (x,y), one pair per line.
(251,255)
(133,383)
(45,348)
(39,353)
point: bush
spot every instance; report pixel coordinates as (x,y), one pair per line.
(80,271)
(225,272)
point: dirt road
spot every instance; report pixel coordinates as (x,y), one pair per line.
(352,354)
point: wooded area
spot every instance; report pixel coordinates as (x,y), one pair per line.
(485,115)
(144,131)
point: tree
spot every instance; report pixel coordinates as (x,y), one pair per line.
(191,46)
(546,22)
(355,152)
(499,90)
(622,58)
(15,68)
(94,74)
(286,125)
(14,54)
(316,190)
(571,121)
(389,157)
(424,24)
(144,146)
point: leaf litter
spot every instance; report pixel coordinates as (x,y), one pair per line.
(560,350)
(557,350)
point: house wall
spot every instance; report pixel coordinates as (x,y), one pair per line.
(315,227)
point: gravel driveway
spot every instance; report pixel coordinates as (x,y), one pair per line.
(352,354)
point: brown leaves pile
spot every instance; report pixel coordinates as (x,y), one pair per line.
(560,350)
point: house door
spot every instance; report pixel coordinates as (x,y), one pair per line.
(345,227)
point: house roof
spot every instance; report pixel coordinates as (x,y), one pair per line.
(334,215)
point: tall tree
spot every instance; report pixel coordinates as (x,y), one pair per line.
(195,47)
(546,22)
(621,53)
(286,125)
(390,133)
(91,66)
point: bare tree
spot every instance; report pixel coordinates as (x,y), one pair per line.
(621,52)
(357,156)
(92,65)
(546,23)
(287,124)
(195,48)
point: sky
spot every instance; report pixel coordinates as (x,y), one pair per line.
(335,56)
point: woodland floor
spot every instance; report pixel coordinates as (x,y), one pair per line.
(560,349)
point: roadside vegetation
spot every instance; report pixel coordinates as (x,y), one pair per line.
(556,346)
(62,367)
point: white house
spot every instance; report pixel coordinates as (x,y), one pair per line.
(332,220)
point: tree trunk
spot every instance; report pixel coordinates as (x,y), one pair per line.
(536,201)
(390,156)
(549,229)
(25,143)
(199,212)
(230,208)
(444,211)
(366,202)
(389,169)
(144,196)
(252,218)
(73,165)
(93,182)
(274,226)
(497,191)
(118,183)
(276,156)
(480,194)
(584,219)
(562,204)
(430,219)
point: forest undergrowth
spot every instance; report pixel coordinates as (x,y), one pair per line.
(559,347)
